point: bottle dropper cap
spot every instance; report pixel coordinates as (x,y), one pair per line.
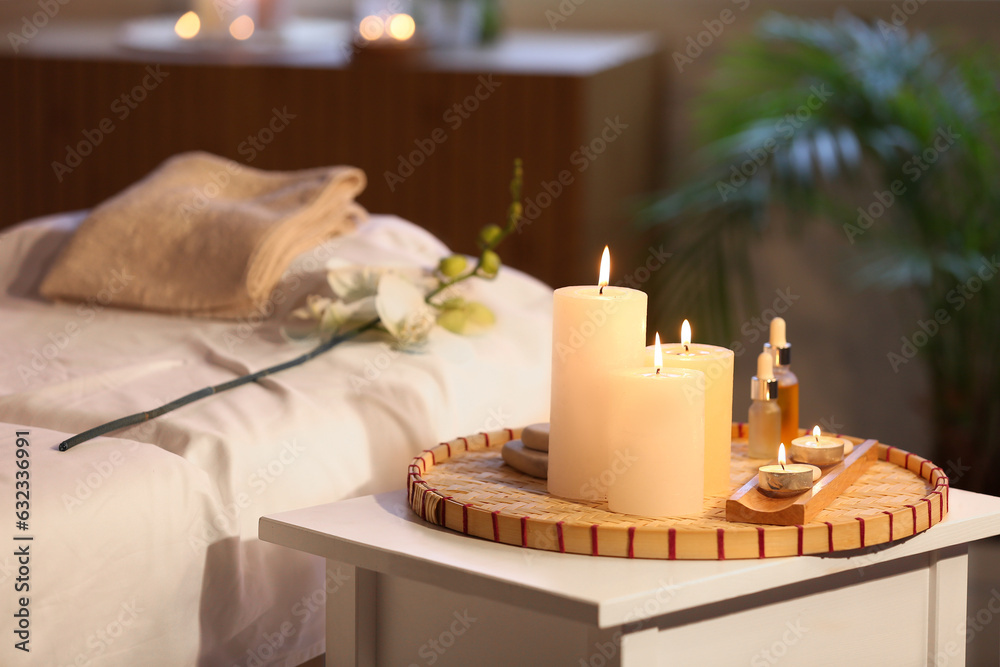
(764,386)
(779,345)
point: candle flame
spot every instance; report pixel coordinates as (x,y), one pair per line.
(371,28)
(781,454)
(686,334)
(241,28)
(816,433)
(401,26)
(605,274)
(188,25)
(657,353)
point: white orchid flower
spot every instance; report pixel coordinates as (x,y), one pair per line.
(315,306)
(353,282)
(404,312)
(326,316)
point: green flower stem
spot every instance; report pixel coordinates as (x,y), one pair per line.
(141,417)
(514,212)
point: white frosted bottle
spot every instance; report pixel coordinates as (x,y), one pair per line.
(765,414)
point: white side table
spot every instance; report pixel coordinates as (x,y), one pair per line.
(410,593)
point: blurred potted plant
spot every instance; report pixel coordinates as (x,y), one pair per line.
(813,117)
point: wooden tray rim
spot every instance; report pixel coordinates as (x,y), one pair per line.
(739,541)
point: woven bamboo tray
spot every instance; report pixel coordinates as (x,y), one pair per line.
(464,485)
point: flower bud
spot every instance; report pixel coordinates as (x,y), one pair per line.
(452,266)
(490,263)
(489,235)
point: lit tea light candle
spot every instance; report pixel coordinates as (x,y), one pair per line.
(818,450)
(786,479)
(596,329)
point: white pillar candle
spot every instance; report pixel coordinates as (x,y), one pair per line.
(717,387)
(595,330)
(657,440)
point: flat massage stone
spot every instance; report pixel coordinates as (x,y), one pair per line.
(525,460)
(536,437)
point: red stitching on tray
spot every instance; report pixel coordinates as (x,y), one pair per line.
(465,518)
(888,453)
(799,529)
(466,441)
(739,430)
(829,532)
(913,512)
(940,504)
(671,544)
(930,517)
(593,540)
(889,514)
(510,433)
(906,461)
(524,531)
(448,445)
(496,525)
(921,473)
(720,538)
(861,530)
(760,542)
(433,458)
(559,531)
(631,541)
(487,437)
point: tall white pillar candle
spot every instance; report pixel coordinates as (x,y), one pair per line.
(595,330)
(717,387)
(657,441)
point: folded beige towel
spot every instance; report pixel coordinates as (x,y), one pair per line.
(203,235)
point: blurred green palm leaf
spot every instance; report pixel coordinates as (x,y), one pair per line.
(812,118)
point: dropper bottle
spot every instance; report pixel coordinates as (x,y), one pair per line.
(788,384)
(765,414)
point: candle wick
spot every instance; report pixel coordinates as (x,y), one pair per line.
(686,347)
(657,371)
(601,290)
(782,465)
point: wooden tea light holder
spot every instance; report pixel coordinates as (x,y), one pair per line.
(750,505)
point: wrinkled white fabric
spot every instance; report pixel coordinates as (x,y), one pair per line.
(146,549)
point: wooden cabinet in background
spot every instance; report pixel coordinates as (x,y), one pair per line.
(436,136)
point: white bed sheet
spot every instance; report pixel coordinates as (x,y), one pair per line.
(145,546)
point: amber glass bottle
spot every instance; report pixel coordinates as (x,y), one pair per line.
(788,383)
